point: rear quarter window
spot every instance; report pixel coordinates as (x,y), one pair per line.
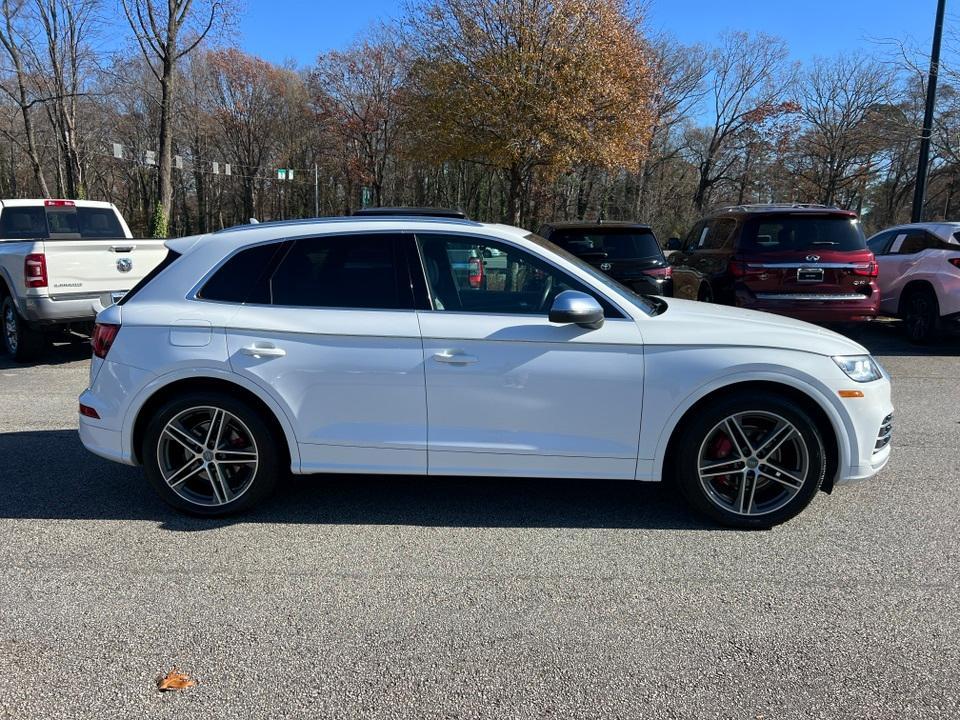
(244,278)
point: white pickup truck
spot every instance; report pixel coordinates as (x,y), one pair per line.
(61,262)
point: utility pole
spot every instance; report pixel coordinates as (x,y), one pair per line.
(316,191)
(920,188)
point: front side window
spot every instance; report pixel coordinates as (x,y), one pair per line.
(477,275)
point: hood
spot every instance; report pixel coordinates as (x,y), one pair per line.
(686,322)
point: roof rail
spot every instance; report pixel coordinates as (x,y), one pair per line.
(412,212)
(346,220)
(755,207)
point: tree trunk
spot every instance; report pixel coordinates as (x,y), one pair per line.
(165,168)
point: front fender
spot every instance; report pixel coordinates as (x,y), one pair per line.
(660,430)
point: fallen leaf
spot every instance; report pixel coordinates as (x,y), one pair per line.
(174,680)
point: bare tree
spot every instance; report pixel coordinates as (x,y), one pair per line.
(748,82)
(166,32)
(13,37)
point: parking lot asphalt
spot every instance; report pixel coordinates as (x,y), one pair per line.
(418,598)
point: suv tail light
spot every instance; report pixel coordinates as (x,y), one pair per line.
(871,269)
(664,272)
(742,269)
(475,276)
(35,270)
(955,261)
(103,336)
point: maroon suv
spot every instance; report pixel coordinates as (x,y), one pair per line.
(807,261)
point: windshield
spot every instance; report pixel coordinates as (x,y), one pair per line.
(802,233)
(610,243)
(644,303)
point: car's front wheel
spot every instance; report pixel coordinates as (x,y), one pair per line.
(750,461)
(209,453)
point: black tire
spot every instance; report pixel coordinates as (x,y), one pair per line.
(189,498)
(21,342)
(704,426)
(705,294)
(920,313)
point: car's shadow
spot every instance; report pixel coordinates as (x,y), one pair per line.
(48,474)
(887,338)
(61,352)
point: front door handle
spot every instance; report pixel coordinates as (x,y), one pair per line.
(454,357)
(262,351)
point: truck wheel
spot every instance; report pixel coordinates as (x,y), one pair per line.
(20,341)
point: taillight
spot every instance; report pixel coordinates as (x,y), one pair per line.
(35,270)
(475,276)
(741,269)
(870,269)
(103,336)
(955,261)
(664,272)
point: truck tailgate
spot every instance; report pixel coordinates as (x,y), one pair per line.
(98,266)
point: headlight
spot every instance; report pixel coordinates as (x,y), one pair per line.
(861,368)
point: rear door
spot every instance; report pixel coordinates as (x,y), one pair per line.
(331,333)
(807,254)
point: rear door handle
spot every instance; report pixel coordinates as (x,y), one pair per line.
(454,357)
(262,351)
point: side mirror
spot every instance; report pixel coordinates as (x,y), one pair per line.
(673,243)
(574,307)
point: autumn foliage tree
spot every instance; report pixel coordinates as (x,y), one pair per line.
(528,85)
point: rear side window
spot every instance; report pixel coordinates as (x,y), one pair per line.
(719,234)
(916,241)
(802,233)
(23,223)
(878,243)
(244,277)
(612,244)
(343,271)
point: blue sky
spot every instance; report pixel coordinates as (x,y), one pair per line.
(297,30)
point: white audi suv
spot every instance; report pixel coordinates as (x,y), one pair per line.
(358,345)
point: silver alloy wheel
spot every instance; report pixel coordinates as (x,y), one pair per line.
(10,327)
(753,463)
(207,456)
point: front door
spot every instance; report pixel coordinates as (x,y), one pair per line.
(509,392)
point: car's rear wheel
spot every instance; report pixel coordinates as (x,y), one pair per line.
(705,294)
(750,461)
(210,454)
(20,341)
(920,312)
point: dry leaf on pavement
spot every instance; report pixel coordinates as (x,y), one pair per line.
(175,680)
